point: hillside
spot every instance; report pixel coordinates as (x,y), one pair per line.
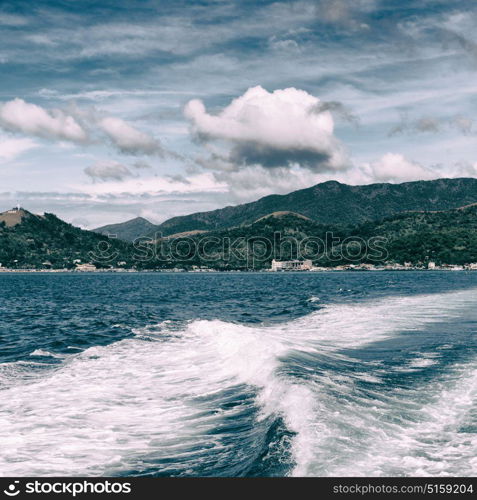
(13,217)
(129,230)
(34,241)
(328,203)
(446,237)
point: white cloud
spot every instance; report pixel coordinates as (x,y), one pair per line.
(10,148)
(101,95)
(286,45)
(12,20)
(152,186)
(108,170)
(272,129)
(128,139)
(78,126)
(463,169)
(433,124)
(140,165)
(393,167)
(20,116)
(40,39)
(254,182)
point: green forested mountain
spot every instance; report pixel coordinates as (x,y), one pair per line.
(447,237)
(129,230)
(327,203)
(34,241)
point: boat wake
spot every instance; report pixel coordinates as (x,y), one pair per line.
(327,394)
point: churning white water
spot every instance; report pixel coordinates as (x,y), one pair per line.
(198,399)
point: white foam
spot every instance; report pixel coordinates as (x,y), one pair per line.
(430,441)
(313,298)
(106,408)
(41,352)
(341,326)
(424,361)
(390,433)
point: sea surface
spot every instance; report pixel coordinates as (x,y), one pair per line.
(238,374)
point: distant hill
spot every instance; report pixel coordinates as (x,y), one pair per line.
(327,203)
(129,230)
(45,241)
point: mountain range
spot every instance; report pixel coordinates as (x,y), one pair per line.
(329,203)
(413,222)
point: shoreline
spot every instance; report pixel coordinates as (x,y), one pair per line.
(183,271)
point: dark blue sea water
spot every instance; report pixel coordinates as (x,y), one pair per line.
(238,374)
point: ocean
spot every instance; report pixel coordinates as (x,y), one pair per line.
(238,374)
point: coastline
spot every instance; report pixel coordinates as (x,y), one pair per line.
(176,271)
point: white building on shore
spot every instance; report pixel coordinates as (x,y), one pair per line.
(291,265)
(85,267)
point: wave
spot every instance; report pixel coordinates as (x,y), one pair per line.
(46,354)
(217,398)
(429,430)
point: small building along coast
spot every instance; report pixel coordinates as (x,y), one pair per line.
(291,265)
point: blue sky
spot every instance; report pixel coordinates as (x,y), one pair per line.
(114,109)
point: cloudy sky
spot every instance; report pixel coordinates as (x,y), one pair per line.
(115,109)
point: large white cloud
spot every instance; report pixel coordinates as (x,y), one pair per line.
(20,116)
(271,129)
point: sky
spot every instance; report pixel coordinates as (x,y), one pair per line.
(116,109)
